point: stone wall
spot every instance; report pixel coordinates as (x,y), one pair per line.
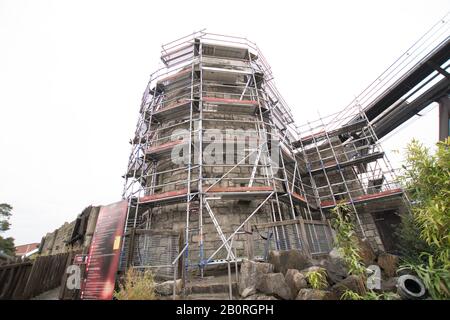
(59,241)
(55,242)
(176,180)
(388,205)
(168,176)
(229,213)
(370,231)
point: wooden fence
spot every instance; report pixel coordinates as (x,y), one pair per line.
(13,280)
(64,292)
(28,279)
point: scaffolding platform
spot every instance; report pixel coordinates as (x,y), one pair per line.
(226,75)
(299,199)
(171,79)
(164,198)
(335,166)
(348,128)
(240,193)
(366,198)
(163,150)
(229,52)
(296,199)
(234,102)
(178,110)
(213,104)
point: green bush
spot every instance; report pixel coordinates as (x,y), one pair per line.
(426,178)
(317,279)
(410,244)
(346,239)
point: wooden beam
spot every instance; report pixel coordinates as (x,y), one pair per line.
(306,247)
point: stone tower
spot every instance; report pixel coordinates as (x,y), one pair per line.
(218,169)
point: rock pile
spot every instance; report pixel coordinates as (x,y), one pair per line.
(285,276)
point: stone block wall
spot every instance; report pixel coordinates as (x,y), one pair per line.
(55,242)
(58,241)
(177,180)
(230,214)
(370,231)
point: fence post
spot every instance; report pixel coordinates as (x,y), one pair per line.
(28,287)
(13,279)
(63,286)
(306,248)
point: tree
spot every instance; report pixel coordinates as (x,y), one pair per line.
(6,244)
(426,178)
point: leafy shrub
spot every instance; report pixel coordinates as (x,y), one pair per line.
(346,239)
(426,178)
(435,276)
(410,244)
(317,279)
(136,286)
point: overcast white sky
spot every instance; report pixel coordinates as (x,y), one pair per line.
(72,74)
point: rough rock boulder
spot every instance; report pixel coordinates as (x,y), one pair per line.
(274,284)
(353,283)
(388,263)
(366,252)
(314,294)
(166,288)
(288,259)
(295,280)
(252,273)
(335,266)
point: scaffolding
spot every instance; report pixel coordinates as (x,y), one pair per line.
(213,91)
(345,164)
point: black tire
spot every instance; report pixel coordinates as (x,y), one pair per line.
(410,287)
